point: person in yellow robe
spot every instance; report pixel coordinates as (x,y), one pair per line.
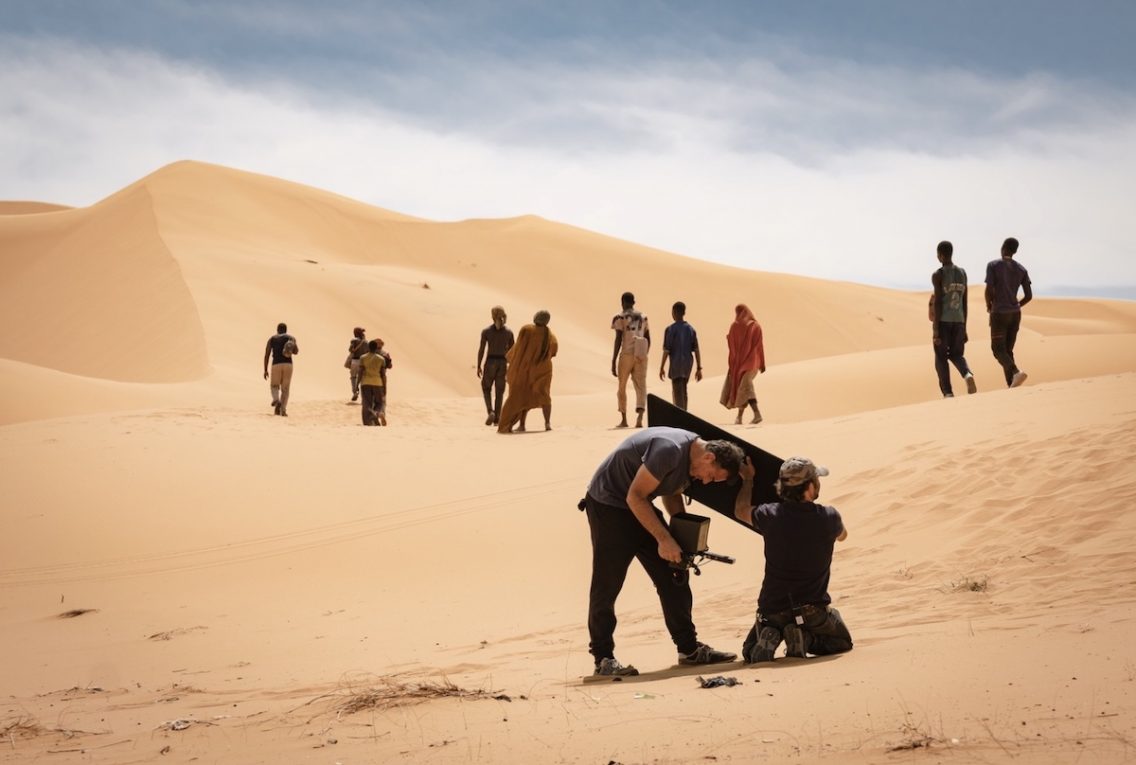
(529,375)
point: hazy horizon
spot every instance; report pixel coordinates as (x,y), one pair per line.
(832,140)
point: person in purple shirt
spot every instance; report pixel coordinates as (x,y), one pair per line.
(1004,277)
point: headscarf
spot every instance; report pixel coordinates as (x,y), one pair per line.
(744,339)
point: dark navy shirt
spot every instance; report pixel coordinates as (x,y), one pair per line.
(680,341)
(799,537)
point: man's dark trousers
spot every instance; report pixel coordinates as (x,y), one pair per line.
(952,342)
(493,379)
(617,539)
(1003,335)
(678,392)
(372,403)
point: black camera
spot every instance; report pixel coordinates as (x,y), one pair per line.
(692,533)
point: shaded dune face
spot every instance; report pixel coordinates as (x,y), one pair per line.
(95,292)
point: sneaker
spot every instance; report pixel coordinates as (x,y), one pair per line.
(612,668)
(1018,379)
(971,385)
(767,641)
(948,395)
(704,654)
(795,642)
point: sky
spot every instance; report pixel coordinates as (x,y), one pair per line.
(836,138)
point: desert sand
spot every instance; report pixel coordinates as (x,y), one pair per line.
(186,578)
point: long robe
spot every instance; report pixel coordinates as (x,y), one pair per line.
(747,358)
(529,375)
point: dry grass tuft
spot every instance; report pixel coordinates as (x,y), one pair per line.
(20,727)
(913,738)
(966,584)
(388,693)
(395,694)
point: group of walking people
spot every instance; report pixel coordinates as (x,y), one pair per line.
(517,376)
(525,365)
(368,363)
(949,307)
(746,359)
(516,372)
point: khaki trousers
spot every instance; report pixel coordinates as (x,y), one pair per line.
(281,382)
(634,367)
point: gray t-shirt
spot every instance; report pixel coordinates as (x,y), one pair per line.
(665,452)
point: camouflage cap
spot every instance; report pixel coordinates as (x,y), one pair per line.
(799,470)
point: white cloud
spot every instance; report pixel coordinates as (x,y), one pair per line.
(832,169)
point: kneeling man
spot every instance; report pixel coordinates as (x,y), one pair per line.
(799,536)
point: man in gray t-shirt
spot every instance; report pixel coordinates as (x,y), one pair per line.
(657,462)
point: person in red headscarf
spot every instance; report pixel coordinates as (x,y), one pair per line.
(747,360)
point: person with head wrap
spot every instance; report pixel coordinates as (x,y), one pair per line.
(746,361)
(497,339)
(799,536)
(529,375)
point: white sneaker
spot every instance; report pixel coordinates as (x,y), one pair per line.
(971,385)
(1018,379)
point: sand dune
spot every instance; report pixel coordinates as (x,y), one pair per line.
(249,575)
(26,208)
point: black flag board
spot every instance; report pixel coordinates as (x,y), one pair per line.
(718,496)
